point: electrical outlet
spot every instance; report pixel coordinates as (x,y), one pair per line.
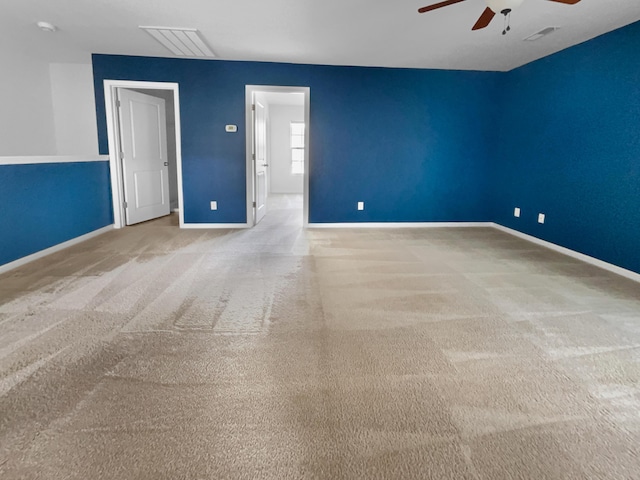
(516,212)
(541,218)
(214,205)
(360,205)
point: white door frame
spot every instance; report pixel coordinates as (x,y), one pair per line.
(117,190)
(249,92)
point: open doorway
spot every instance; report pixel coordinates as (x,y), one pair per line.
(149,185)
(277,129)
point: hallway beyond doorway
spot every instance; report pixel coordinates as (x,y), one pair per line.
(284,209)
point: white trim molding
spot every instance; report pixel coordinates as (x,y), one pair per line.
(401,225)
(239,226)
(30,160)
(205,226)
(110,94)
(250,91)
(572,253)
(56,248)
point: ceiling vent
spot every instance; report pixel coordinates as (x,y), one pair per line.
(542,33)
(183,42)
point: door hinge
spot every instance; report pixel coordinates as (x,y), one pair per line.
(253,156)
(117,103)
(253,107)
(124,204)
(121,155)
(254,204)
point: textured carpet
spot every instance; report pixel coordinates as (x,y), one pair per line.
(279,353)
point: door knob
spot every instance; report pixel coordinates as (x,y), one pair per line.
(166,164)
(265,164)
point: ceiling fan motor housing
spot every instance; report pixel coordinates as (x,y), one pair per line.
(498,6)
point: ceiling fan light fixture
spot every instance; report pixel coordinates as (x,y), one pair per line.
(493,8)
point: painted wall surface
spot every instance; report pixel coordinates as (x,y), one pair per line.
(26,116)
(558,136)
(569,147)
(412,144)
(280,118)
(47,108)
(73,109)
(47,204)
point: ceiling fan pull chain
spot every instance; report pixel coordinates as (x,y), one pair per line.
(507,21)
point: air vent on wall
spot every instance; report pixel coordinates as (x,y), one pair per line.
(540,34)
(183,42)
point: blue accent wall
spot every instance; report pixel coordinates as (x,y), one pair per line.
(51,203)
(411,144)
(569,147)
(559,136)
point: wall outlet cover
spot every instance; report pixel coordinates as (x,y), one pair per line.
(214,205)
(541,218)
(360,205)
(231,128)
(516,212)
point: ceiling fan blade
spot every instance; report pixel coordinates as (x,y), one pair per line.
(568,2)
(446,3)
(485,19)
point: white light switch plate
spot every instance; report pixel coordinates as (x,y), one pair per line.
(516,212)
(360,205)
(231,128)
(541,218)
(214,205)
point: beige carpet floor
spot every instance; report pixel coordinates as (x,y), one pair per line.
(279,353)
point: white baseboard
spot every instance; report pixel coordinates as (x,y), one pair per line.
(401,225)
(28,160)
(552,246)
(56,248)
(226,226)
(572,253)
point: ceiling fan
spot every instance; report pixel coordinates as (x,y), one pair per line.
(493,7)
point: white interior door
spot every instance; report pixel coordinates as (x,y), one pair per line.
(260,155)
(143,135)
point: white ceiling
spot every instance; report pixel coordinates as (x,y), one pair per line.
(387,33)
